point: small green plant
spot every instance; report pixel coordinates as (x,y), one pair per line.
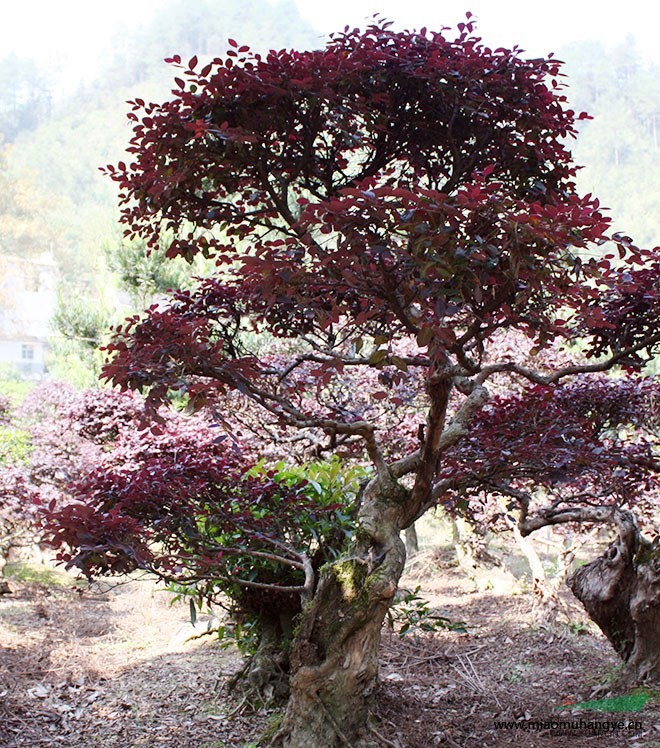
(512,677)
(274,724)
(517,673)
(412,613)
(15,446)
(322,526)
(239,631)
(578,627)
(327,483)
(244,634)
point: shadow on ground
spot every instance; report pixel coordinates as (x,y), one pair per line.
(114,670)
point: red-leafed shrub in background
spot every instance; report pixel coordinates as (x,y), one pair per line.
(571,452)
(181,503)
(18,513)
(53,437)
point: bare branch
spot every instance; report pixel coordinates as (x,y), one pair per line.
(438,391)
(568,514)
(290,415)
(259,554)
(310,579)
(457,429)
(567,371)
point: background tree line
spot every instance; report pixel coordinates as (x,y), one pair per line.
(53,145)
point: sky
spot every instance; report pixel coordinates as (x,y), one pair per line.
(67,35)
(537,27)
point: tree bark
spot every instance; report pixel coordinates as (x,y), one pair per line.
(545,595)
(335,654)
(412,541)
(334,659)
(472,553)
(621,593)
(265,673)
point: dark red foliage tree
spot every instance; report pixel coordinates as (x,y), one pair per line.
(583,451)
(394,202)
(569,452)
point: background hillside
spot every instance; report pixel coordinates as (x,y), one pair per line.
(53,142)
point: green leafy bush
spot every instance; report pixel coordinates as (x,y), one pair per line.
(323,524)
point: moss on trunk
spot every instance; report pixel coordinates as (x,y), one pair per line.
(335,653)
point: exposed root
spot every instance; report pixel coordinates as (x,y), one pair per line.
(382,738)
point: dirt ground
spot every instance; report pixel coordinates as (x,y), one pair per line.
(104,669)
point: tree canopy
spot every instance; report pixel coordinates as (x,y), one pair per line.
(390,187)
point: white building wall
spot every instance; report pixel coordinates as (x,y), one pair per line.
(28,297)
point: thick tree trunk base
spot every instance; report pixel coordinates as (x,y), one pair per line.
(267,672)
(621,593)
(264,679)
(335,658)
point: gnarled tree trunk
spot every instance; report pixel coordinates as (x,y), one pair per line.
(621,593)
(266,672)
(335,654)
